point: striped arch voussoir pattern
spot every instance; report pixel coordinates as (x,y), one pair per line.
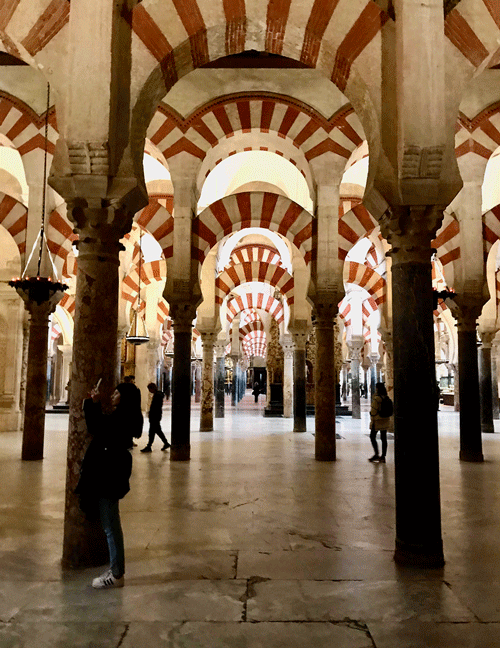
(260,271)
(252,209)
(366,278)
(14,217)
(257,300)
(353,226)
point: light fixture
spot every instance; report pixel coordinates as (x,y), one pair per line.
(138,333)
(39,289)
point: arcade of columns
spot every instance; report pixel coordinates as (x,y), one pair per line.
(319,85)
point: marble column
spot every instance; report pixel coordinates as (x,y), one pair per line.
(40,300)
(325,387)
(24,366)
(287,345)
(485,388)
(220,380)
(456,390)
(207,383)
(64,376)
(197,380)
(182,316)
(374,358)
(94,358)
(234,382)
(471,445)
(299,379)
(494,381)
(355,345)
(418,512)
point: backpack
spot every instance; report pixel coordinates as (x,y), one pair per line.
(386,407)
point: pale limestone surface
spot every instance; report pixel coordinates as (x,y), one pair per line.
(253,543)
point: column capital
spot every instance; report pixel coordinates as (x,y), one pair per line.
(326,308)
(466,310)
(220,348)
(182,314)
(208,338)
(486,338)
(410,229)
(288,346)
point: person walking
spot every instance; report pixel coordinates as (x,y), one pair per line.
(154,416)
(380,421)
(105,473)
(256,391)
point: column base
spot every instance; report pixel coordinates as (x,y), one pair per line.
(299,429)
(487,429)
(206,429)
(417,556)
(472,457)
(180,453)
(325,456)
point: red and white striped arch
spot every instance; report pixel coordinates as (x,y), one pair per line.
(255,300)
(252,209)
(447,241)
(491,228)
(60,235)
(68,303)
(366,278)
(157,218)
(255,252)
(256,271)
(480,135)
(14,217)
(353,226)
(250,327)
(163,313)
(473,28)
(154,271)
(290,119)
(255,344)
(21,125)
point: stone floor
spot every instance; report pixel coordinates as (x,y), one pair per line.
(254,544)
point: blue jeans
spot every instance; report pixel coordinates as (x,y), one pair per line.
(109,513)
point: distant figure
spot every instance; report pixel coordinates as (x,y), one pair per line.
(105,473)
(136,396)
(380,420)
(256,391)
(154,416)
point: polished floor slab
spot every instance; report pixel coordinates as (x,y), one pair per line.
(253,543)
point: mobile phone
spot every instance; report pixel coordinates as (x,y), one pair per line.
(98,384)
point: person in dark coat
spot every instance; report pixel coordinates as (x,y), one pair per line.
(105,472)
(379,422)
(154,416)
(256,391)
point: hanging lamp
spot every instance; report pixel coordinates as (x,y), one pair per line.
(138,333)
(39,289)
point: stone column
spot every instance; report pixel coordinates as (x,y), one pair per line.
(24,366)
(220,379)
(64,378)
(485,387)
(471,446)
(287,345)
(94,344)
(182,315)
(355,345)
(234,382)
(40,300)
(456,390)
(325,396)
(197,371)
(418,513)
(494,381)
(207,383)
(374,358)
(299,379)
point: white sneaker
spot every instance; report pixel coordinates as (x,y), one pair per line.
(107,580)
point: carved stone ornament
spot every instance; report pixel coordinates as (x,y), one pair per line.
(410,229)
(422,163)
(89,158)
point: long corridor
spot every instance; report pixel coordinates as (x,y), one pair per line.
(253,543)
